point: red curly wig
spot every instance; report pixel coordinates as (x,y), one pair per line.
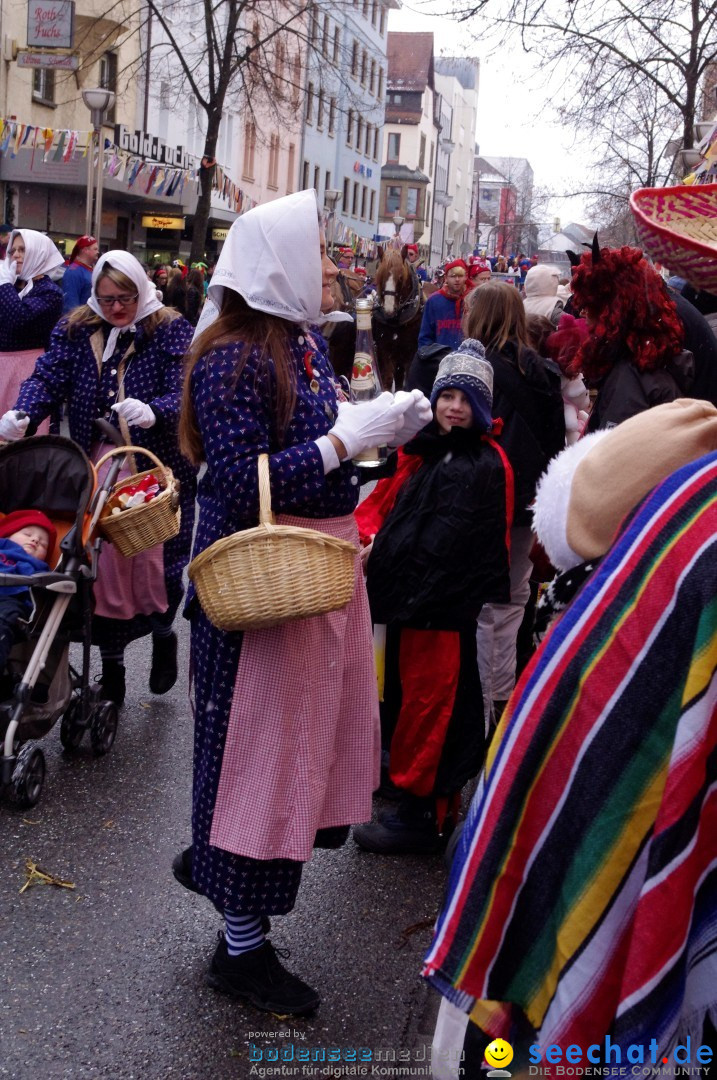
(632,316)
(563,345)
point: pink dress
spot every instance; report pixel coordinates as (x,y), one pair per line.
(15,367)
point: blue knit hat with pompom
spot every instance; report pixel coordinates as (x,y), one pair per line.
(468,370)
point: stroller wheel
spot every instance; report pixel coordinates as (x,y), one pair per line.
(28,776)
(72,729)
(104,726)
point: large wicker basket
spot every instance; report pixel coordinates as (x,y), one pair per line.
(677,227)
(141,527)
(273,573)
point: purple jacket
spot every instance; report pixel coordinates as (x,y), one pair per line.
(28,323)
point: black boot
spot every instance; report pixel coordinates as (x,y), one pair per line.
(113,686)
(411,829)
(163,674)
(259,977)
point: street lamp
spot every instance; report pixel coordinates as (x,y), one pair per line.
(331,199)
(398,222)
(98,101)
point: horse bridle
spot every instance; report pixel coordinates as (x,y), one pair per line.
(407,310)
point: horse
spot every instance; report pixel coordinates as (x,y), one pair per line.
(397,315)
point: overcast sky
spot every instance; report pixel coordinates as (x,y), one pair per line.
(514,107)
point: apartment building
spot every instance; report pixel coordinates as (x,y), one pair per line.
(457,81)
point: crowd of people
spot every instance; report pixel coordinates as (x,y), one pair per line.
(521,449)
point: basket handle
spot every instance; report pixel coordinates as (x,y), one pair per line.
(265,515)
(132,450)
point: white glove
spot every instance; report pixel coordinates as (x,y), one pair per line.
(361,426)
(8,272)
(12,427)
(135,412)
(417,415)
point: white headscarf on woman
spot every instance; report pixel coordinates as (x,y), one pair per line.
(41,256)
(271,258)
(147,299)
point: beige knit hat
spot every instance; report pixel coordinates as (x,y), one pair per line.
(620,470)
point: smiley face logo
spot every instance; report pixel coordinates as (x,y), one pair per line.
(499,1054)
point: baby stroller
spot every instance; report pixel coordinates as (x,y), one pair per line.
(53,474)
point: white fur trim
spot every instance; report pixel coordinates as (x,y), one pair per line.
(552,501)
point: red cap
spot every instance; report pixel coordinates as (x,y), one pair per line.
(20,519)
(412,247)
(81,244)
(360,270)
(456,262)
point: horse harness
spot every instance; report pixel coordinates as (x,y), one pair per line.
(406,311)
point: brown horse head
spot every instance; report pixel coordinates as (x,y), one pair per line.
(394,281)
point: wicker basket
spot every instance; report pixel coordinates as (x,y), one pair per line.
(141,527)
(677,226)
(273,573)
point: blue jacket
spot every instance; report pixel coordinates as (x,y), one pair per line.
(76,286)
(441,324)
(15,560)
(28,323)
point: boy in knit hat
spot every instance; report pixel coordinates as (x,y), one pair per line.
(27,537)
(439,554)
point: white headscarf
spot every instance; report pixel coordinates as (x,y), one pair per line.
(147,299)
(41,256)
(541,290)
(271,258)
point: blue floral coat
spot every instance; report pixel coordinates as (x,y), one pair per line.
(28,323)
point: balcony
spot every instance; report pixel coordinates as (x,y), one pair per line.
(442,198)
(447,146)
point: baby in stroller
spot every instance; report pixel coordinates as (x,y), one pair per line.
(26,536)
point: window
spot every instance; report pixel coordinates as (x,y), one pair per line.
(422,154)
(364,67)
(393,199)
(382,27)
(317,179)
(364,10)
(309,103)
(314,16)
(430,161)
(354,58)
(273,180)
(372,214)
(428,208)
(380,84)
(337,44)
(108,81)
(375,144)
(296,79)
(367,145)
(305,176)
(359,133)
(249,149)
(290,169)
(355,200)
(327,181)
(364,200)
(332,116)
(325,38)
(43,85)
(349,127)
(279,68)
(320,110)
(372,84)
(374,12)
(394,147)
(345,199)
(486,195)
(412,200)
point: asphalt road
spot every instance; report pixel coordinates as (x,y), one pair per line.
(107,979)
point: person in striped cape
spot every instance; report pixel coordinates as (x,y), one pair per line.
(583,898)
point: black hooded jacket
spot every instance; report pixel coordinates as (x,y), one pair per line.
(441,552)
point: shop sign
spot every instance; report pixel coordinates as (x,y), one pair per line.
(220,234)
(150,147)
(47,60)
(51,24)
(156,221)
(365,170)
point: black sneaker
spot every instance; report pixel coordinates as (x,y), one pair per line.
(182,870)
(260,978)
(113,682)
(409,830)
(163,673)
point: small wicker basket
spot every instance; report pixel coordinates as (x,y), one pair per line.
(677,226)
(272,574)
(141,527)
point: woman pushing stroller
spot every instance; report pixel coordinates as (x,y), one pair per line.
(119,357)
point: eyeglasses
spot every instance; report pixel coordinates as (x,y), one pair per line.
(123,301)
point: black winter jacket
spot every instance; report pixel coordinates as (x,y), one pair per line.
(441,553)
(527,398)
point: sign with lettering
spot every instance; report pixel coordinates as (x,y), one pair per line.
(157,221)
(51,24)
(150,147)
(49,60)
(220,234)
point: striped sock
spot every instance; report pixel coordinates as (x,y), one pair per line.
(243,932)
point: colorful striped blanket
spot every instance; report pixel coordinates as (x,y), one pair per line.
(584,893)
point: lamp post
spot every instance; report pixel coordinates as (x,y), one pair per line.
(98,101)
(331,199)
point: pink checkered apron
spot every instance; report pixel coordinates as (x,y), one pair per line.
(302,750)
(15,367)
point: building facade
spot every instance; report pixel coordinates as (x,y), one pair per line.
(457,80)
